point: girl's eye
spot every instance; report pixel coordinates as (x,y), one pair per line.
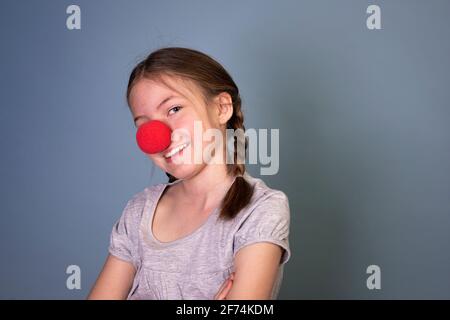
(175,109)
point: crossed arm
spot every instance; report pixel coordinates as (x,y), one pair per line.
(256,267)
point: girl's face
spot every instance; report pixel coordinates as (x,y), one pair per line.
(152,100)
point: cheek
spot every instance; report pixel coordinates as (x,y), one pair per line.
(185,126)
(153,158)
(188,119)
(157,160)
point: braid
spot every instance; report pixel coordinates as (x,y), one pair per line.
(237,122)
(241,192)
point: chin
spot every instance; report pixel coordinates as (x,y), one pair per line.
(184,171)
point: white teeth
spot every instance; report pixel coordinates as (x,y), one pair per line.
(177,149)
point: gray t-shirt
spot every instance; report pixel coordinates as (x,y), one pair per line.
(195,266)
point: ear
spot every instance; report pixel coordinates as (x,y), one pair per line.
(224,107)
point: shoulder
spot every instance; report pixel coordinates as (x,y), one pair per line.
(266,203)
(135,205)
(265,219)
(265,196)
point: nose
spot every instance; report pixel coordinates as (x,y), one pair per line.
(153,136)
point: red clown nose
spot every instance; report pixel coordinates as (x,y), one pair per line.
(153,136)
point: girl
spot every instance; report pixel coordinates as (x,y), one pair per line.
(212,231)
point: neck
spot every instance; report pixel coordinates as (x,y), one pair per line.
(208,186)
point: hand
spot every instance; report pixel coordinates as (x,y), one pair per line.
(225,288)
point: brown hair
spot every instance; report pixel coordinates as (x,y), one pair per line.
(212,79)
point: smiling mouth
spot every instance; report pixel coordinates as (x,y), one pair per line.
(176,150)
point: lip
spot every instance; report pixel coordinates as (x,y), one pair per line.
(171,149)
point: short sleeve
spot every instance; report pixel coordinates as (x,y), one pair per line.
(124,234)
(268,222)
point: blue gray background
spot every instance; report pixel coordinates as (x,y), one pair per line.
(363,118)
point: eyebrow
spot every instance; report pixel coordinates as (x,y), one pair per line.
(159,105)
